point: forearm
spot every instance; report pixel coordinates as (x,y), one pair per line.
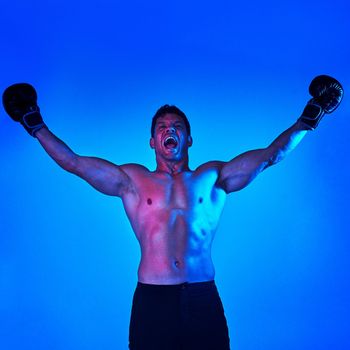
(57,149)
(286,142)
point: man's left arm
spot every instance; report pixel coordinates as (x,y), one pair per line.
(242,170)
(236,174)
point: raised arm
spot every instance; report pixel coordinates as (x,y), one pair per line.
(103,175)
(20,102)
(240,171)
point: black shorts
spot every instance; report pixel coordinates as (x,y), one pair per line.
(187,316)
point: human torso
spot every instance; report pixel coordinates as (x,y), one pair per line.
(174,218)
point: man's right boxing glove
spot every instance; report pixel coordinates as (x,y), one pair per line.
(20,103)
(327,94)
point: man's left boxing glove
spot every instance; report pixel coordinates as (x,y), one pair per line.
(20,103)
(327,94)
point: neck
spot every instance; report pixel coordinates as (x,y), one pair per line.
(172,167)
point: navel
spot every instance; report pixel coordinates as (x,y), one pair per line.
(177,263)
(200,200)
(149,201)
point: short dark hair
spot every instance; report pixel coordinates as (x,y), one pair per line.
(169,109)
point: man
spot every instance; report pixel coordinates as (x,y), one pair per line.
(174,212)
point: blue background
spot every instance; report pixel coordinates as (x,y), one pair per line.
(240,71)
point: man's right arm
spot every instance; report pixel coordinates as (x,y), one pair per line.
(104,176)
(20,103)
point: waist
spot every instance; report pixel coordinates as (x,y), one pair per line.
(165,270)
(177,286)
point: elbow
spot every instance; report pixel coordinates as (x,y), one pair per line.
(71,164)
(274,158)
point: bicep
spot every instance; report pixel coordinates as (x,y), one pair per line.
(103,175)
(242,170)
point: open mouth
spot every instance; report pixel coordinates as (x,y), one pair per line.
(170,142)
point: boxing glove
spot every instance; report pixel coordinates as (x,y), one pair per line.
(327,94)
(20,103)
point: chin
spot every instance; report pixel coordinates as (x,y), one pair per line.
(170,155)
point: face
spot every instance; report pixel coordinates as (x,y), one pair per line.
(171,140)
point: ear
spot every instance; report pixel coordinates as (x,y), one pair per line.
(189,140)
(151,142)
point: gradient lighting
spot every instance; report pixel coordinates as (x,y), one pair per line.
(240,72)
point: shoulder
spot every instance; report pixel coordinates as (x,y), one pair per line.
(133,169)
(134,173)
(212,166)
(210,172)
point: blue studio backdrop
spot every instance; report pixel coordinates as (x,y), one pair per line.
(240,71)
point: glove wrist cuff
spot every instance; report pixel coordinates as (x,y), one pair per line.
(32,122)
(312,115)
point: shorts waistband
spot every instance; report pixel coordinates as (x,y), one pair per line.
(184,285)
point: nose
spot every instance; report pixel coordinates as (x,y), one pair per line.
(170,129)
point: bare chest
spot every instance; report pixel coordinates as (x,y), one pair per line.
(175,203)
(184,192)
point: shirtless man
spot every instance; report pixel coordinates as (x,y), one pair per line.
(174,212)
